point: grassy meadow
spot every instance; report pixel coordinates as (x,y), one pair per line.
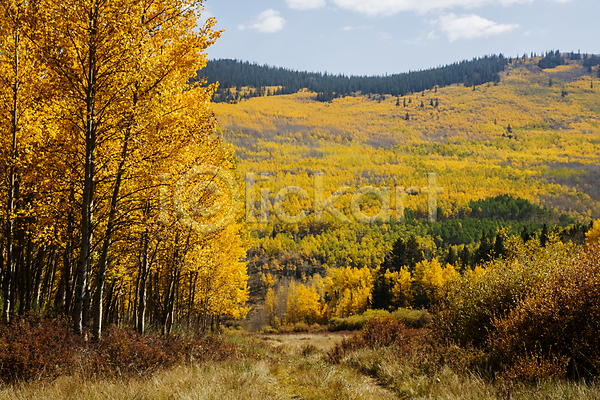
(293,368)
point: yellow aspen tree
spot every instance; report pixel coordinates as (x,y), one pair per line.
(22,95)
(350,291)
(428,279)
(303,304)
(448,273)
(120,68)
(222,284)
(401,284)
(592,236)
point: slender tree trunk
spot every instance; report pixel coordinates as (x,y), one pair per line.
(98,298)
(192,295)
(20,271)
(64,294)
(142,278)
(109,302)
(128,309)
(168,302)
(39,269)
(170,320)
(48,280)
(28,284)
(87,205)
(12,189)
(177,264)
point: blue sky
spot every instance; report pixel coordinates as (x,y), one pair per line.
(375,37)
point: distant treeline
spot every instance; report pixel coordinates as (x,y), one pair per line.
(554,58)
(234,74)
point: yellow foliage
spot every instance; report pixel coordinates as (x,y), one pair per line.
(449,272)
(270,309)
(303,304)
(349,290)
(593,235)
(401,283)
(222,282)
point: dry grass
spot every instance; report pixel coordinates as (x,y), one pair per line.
(296,369)
(291,371)
(406,381)
(321,341)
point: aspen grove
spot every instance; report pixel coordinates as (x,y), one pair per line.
(98,123)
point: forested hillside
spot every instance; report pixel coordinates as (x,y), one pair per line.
(267,80)
(517,157)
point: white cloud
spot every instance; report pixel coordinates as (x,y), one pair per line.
(305,4)
(432,35)
(362,28)
(267,21)
(471,27)
(390,7)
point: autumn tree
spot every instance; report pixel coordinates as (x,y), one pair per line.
(22,95)
(110,84)
(120,69)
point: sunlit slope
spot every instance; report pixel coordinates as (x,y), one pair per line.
(534,135)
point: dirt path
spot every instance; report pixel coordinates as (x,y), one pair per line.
(321,340)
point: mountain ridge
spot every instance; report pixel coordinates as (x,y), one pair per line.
(240,80)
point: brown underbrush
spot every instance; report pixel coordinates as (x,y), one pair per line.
(35,347)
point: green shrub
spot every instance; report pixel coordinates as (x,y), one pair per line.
(410,318)
(413,318)
(355,322)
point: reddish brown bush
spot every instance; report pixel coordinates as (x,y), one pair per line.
(532,368)
(37,347)
(560,321)
(379,332)
(34,346)
(418,348)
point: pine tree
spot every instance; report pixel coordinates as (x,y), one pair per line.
(382,292)
(465,258)
(544,236)
(398,256)
(414,254)
(451,257)
(483,252)
(499,248)
(525,235)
